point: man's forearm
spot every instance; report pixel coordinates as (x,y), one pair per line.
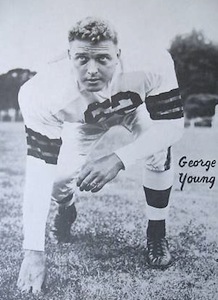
(159,136)
(37,196)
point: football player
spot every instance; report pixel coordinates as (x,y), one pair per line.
(69,108)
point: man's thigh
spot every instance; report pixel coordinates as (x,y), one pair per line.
(158,168)
(80,144)
(77,143)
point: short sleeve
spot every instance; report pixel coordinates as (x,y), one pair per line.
(163,100)
(43,129)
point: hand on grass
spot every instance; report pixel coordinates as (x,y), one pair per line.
(94,175)
(32,272)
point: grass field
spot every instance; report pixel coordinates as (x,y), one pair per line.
(106,259)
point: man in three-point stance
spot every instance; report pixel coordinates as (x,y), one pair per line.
(68,109)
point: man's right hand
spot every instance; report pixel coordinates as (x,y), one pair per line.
(32,272)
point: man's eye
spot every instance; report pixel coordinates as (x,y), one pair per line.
(102,59)
(82,59)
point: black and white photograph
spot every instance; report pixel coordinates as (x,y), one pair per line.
(108,150)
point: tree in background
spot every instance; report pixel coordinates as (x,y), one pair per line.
(10,84)
(196,63)
(200,105)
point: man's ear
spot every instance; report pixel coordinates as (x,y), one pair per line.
(118,53)
(68,52)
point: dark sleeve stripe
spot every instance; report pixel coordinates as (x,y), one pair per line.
(167,164)
(165,105)
(42,147)
(168,115)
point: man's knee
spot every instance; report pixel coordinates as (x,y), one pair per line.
(63,191)
(158,173)
(160,161)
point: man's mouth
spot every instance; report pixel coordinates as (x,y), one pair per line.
(93,80)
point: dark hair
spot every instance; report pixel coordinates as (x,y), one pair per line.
(94,30)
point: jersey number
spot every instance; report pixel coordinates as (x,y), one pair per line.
(120,103)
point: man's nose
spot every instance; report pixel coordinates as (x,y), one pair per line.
(92,68)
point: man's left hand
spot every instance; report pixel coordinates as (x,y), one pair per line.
(94,175)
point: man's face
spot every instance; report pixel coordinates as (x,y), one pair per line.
(94,63)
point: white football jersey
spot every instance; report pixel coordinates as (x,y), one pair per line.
(53,96)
